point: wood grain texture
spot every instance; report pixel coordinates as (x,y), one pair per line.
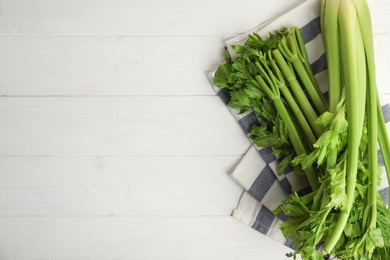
(117,186)
(170,238)
(118,126)
(380,15)
(108,65)
(172,17)
(124,17)
(122,66)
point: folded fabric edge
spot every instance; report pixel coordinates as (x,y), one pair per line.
(252,213)
(258,179)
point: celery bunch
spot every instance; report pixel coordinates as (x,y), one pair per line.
(334,145)
(351,222)
(266,76)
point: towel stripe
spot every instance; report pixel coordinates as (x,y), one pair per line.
(247,122)
(385,195)
(386,112)
(311,30)
(319,65)
(267,155)
(264,220)
(262,184)
(225,97)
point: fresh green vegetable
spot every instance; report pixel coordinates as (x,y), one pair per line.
(261,77)
(344,215)
(351,222)
(290,49)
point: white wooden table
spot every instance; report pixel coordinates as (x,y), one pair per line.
(113,145)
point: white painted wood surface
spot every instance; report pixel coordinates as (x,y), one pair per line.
(112,143)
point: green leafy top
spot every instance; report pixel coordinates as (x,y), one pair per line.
(239,78)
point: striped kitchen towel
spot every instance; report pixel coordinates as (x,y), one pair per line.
(257,171)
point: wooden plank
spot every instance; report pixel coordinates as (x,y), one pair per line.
(108,65)
(380,15)
(382,62)
(160,238)
(95,66)
(120,186)
(171,17)
(118,126)
(123,17)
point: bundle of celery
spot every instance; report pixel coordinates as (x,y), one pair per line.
(334,145)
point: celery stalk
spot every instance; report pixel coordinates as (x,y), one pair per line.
(290,50)
(366,29)
(302,53)
(309,135)
(350,47)
(300,96)
(272,90)
(330,35)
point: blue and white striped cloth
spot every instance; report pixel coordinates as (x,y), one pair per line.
(257,171)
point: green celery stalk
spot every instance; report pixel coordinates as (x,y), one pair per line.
(299,95)
(271,89)
(290,50)
(302,54)
(352,50)
(366,29)
(330,35)
(308,133)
